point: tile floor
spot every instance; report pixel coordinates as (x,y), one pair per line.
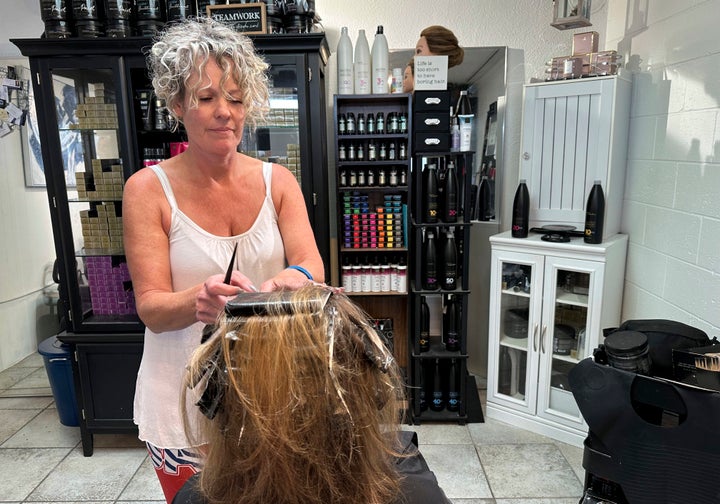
(42,460)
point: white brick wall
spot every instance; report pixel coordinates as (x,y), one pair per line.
(672,196)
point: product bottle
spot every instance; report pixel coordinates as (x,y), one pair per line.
(450,326)
(421,386)
(429,280)
(450,190)
(504,371)
(595,214)
(438,401)
(453,402)
(177,10)
(402,276)
(362,64)
(449,275)
(424,342)
(430,191)
(380,68)
(521,211)
(465,119)
(483,199)
(454,132)
(347,275)
(345,79)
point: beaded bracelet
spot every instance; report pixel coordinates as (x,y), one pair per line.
(302,270)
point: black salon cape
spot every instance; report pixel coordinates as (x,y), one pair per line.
(418,485)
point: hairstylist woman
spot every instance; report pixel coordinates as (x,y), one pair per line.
(183,218)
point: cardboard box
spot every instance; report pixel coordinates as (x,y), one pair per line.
(686,369)
(584,43)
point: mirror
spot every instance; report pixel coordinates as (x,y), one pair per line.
(569,14)
(483,74)
(494,78)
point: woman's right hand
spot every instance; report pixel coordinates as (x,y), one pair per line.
(214,293)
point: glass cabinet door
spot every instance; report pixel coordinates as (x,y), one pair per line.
(278,139)
(88,174)
(516,293)
(563,341)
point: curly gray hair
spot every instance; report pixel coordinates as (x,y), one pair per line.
(183,50)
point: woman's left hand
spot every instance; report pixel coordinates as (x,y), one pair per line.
(288,279)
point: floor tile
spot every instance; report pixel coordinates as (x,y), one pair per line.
(36,379)
(496,432)
(138,502)
(13,420)
(574,456)
(528,470)
(144,485)
(24,468)
(44,431)
(32,360)
(440,433)
(11,403)
(473,501)
(100,477)
(458,470)
(26,392)
(573,500)
(11,376)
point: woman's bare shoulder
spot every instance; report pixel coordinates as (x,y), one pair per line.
(142,185)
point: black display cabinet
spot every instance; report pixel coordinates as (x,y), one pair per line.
(373,143)
(94,132)
(438,368)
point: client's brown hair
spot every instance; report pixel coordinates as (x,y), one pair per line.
(310,406)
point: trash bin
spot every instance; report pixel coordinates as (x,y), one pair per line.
(58,365)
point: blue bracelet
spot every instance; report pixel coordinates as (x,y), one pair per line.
(302,270)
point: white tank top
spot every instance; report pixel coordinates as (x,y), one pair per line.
(195,255)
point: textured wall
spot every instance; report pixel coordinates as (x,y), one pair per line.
(672,196)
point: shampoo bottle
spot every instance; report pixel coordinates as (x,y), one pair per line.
(380,68)
(521,211)
(595,214)
(345,80)
(362,64)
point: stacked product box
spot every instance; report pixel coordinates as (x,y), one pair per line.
(102,228)
(104,182)
(293,160)
(96,111)
(103,187)
(110,288)
(380,226)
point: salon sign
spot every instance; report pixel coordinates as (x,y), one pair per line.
(245,18)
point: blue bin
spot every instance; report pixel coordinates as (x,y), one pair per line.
(58,365)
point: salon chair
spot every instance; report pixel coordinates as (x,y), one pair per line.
(651,440)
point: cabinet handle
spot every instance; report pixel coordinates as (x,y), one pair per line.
(535,338)
(542,339)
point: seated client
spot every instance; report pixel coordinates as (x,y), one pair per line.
(301,403)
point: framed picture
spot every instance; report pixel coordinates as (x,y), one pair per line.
(31,151)
(70,140)
(246,18)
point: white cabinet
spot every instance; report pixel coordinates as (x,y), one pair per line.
(548,305)
(575,132)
